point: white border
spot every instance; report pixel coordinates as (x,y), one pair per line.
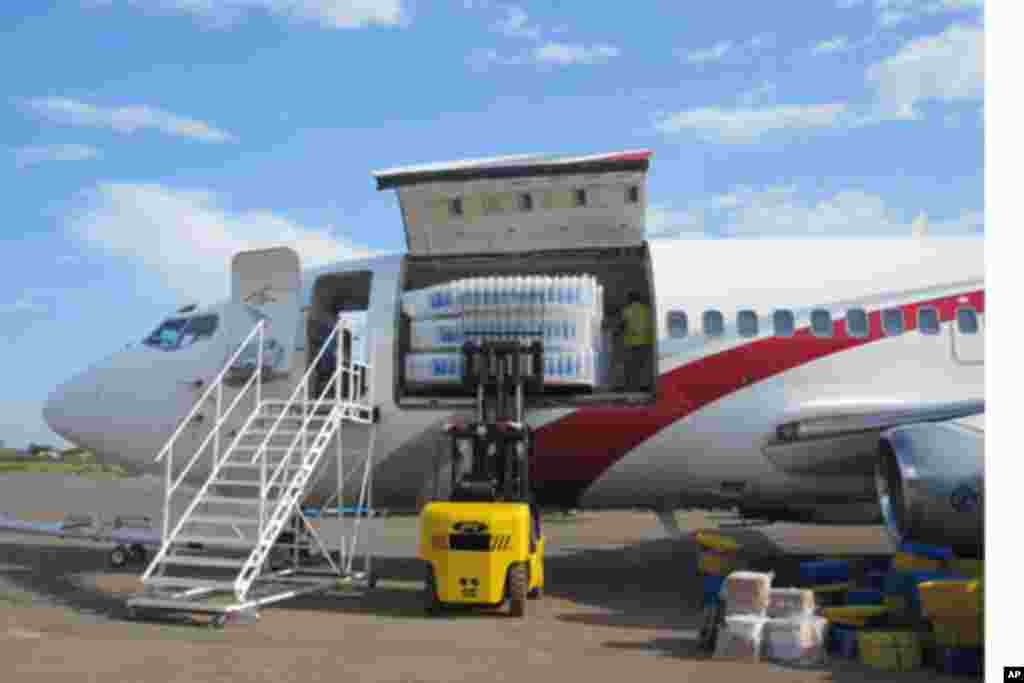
(1003,254)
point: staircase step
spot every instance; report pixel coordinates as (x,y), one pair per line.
(239,482)
(199,561)
(216,541)
(221,519)
(224,500)
(271,466)
(187,582)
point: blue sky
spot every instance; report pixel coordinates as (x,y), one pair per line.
(144,142)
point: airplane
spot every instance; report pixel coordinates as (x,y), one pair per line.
(825,380)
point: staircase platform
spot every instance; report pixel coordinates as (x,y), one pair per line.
(267,590)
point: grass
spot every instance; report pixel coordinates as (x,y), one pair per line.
(16,598)
(84,470)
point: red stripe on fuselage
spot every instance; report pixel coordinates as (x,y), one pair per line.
(582,445)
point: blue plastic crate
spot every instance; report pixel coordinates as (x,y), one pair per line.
(825,572)
(712,588)
(961,661)
(864,597)
(930,551)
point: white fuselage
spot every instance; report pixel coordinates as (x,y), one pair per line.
(719,398)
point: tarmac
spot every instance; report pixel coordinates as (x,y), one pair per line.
(622,603)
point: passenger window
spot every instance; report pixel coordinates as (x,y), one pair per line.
(678,325)
(967,320)
(581,197)
(928,320)
(784,323)
(714,323)
(892,321)
(821,323)
(746,321)
(857,322)
(633,195)
(526,201)
(455,206)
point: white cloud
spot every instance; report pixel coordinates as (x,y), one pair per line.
(188,237)
(780,210)
(729,50)
(37,154)
(335,14)
(895,12)
(847,4)
(712,54)
(837,44)
(747,125)
(662,221)
(564,53)
(514,24)
(22,305)
(125,119)
(945,67)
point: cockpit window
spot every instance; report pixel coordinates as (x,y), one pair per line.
(179,333)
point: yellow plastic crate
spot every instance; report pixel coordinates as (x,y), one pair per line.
(906,562)
(717,564)
(950,599)
(966,632)
(890,650)
(856,615)
(974,569)
(716,541)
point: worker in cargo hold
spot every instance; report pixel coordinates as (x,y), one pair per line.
(329,360)
(636,325)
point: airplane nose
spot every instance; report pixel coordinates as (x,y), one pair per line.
(66,407)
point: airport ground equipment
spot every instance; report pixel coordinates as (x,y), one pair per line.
(216,557)
(131,536)
(483,546)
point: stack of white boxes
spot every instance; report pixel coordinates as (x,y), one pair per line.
(565,312)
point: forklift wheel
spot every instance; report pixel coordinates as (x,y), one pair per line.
(517,583)
(430,601)
(118,557)
(534,594)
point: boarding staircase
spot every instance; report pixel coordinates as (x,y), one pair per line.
(216,557)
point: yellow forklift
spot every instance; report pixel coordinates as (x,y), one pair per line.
(483,546)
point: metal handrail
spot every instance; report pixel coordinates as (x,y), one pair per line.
(216,430)
(209,390)
(303,383)
(305,425)
(170,488)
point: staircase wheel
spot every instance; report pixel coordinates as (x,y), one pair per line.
(517,584)
(118,557)
(430,602)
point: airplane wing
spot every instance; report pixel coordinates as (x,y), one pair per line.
(841,437)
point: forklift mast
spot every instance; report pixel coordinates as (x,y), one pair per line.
(499,441)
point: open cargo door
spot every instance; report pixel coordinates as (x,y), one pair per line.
(485,236)
(268,282)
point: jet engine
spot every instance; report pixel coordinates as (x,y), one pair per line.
(930,480)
